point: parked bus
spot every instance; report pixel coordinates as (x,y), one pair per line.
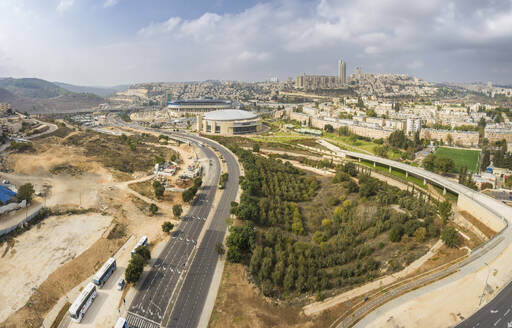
(121,323)
(142,242)
(83,302)
(104,273)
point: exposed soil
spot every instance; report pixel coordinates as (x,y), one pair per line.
(241,304)
(488,232)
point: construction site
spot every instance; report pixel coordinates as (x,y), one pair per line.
(92,194)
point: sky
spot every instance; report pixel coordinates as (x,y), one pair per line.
(110,42)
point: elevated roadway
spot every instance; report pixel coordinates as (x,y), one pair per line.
(485,208)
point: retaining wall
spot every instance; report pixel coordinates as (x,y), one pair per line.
(480,212)
(19,224)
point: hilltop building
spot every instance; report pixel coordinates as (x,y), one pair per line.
(342,72)
(312,82)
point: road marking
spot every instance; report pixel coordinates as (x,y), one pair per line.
(497,322)
(506,312)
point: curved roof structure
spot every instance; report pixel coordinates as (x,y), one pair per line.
(200,102)
(229,115)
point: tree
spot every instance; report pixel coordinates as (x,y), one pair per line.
(395,235)
(144,252)
(445,210)
(167,226)
(219,248)
(158,188)
(398,139)
(187,195)
(429,162)
(153,209)
(449,139)
(328,128)
(25,192)
(486,160)
(420,234)
(351,186)
(445,164)
(256,148)
(508,181)
(450,236)
(177,210)
(135,268)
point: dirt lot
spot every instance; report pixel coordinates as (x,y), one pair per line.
(241,304)
(63,251)
(34,256)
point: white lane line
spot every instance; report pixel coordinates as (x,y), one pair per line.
(506,312)
(497,322)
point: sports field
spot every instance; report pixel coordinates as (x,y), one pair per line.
(461,157)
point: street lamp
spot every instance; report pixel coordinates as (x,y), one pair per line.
(485,285)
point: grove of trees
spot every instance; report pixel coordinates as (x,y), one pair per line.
(286,254)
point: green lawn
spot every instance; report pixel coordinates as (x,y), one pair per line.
(461,157)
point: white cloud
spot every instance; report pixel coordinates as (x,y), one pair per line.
(65,5)
(416,64)
(110,3)
(160,28)
(276,38)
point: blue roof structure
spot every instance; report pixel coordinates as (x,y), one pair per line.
(6,194)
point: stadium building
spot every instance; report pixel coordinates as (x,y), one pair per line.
(197,106)
(229,122)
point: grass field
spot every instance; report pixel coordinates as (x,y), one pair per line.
(461,157)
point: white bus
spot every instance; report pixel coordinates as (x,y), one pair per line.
(83,302)
(121,323)
(104,272)
(142,242)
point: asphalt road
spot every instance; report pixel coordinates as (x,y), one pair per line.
(148,308)
(189,305)
(154,294)
(497,313)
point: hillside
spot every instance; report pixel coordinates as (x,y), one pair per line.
(100,91)
(40,96)
(32,88)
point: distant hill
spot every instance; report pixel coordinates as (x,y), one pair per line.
(100,91)
(40,96)
(32,88)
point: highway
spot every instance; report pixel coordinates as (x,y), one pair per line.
(497,313)
(191,299)
(174,291)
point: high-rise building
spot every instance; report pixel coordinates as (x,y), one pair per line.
(342,72)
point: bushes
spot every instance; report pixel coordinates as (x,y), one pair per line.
(189,194)
(21,147)
(158,188)
(136,264)
(167,226)
(396,233)
(438,164)
(177,210)
(450,236)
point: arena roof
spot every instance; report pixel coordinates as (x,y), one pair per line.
(189,102)
(229,115)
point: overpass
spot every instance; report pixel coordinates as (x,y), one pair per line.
(492,212)
(488,210)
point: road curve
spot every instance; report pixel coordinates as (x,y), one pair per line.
(184,300)
(477,260)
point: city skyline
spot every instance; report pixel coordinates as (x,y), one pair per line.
(111,42)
